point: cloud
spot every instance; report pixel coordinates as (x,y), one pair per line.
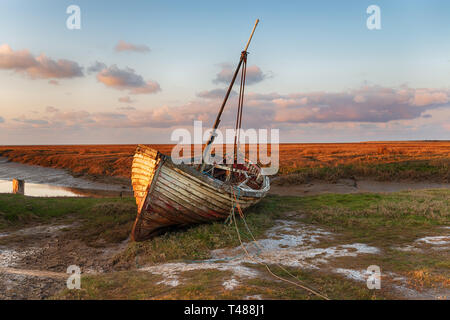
(128,108)
(367,104)
(214,94)
(37,67)
(126,46)
(376,107)
(18,60)
(53,82)
(51,109)
(125,99)
(126,79)
(96,67)
(423,97)
(125,117)
(48,68)
(254,74)
(446,126)
(33,122)
(2,119)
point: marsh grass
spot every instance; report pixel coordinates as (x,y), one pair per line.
(373,211)
(100,220)
(420,170)
(208,284)
(382,220)
(326,161)
(196,242)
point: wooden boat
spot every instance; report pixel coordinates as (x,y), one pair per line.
(169,195)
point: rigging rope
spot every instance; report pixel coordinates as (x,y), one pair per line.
(260,249)
(240,104)
(234,200)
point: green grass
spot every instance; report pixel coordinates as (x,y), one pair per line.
(102,219)
(208,284)
(374,211)
(365,216)
(196,242)
(381,220)
(385,221)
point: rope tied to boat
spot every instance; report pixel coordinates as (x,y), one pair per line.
(235,204)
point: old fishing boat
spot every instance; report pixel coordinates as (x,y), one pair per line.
(169,194)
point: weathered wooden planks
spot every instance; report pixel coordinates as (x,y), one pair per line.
(175,195)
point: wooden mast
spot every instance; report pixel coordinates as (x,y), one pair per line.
(230,87)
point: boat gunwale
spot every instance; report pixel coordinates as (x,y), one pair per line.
(218,184)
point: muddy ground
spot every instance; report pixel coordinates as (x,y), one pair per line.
(34,260)
(33,265)
(348,186)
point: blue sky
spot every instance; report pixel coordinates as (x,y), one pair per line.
(316,68)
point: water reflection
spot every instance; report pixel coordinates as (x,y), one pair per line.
(50,182)
(46,190)
(48,176)
(40,190)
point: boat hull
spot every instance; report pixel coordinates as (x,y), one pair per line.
(170,195)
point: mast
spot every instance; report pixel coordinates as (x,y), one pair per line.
(230,87)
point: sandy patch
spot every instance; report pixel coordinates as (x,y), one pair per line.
(254,297)
(10,257)
(38,230)
(357,275)
(231,284)
(407,248)
(295,244)
(435,240)
(289,243)
(438,242)
(171,271)
(395,283)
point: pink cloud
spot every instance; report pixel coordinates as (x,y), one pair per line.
(378,106)
(423,97)
(37,67)
(126,79)
(126,46)
(125,99)
(51,109)
(254,74)
(18,60)
(214,94)
(128,108)
(367,104)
